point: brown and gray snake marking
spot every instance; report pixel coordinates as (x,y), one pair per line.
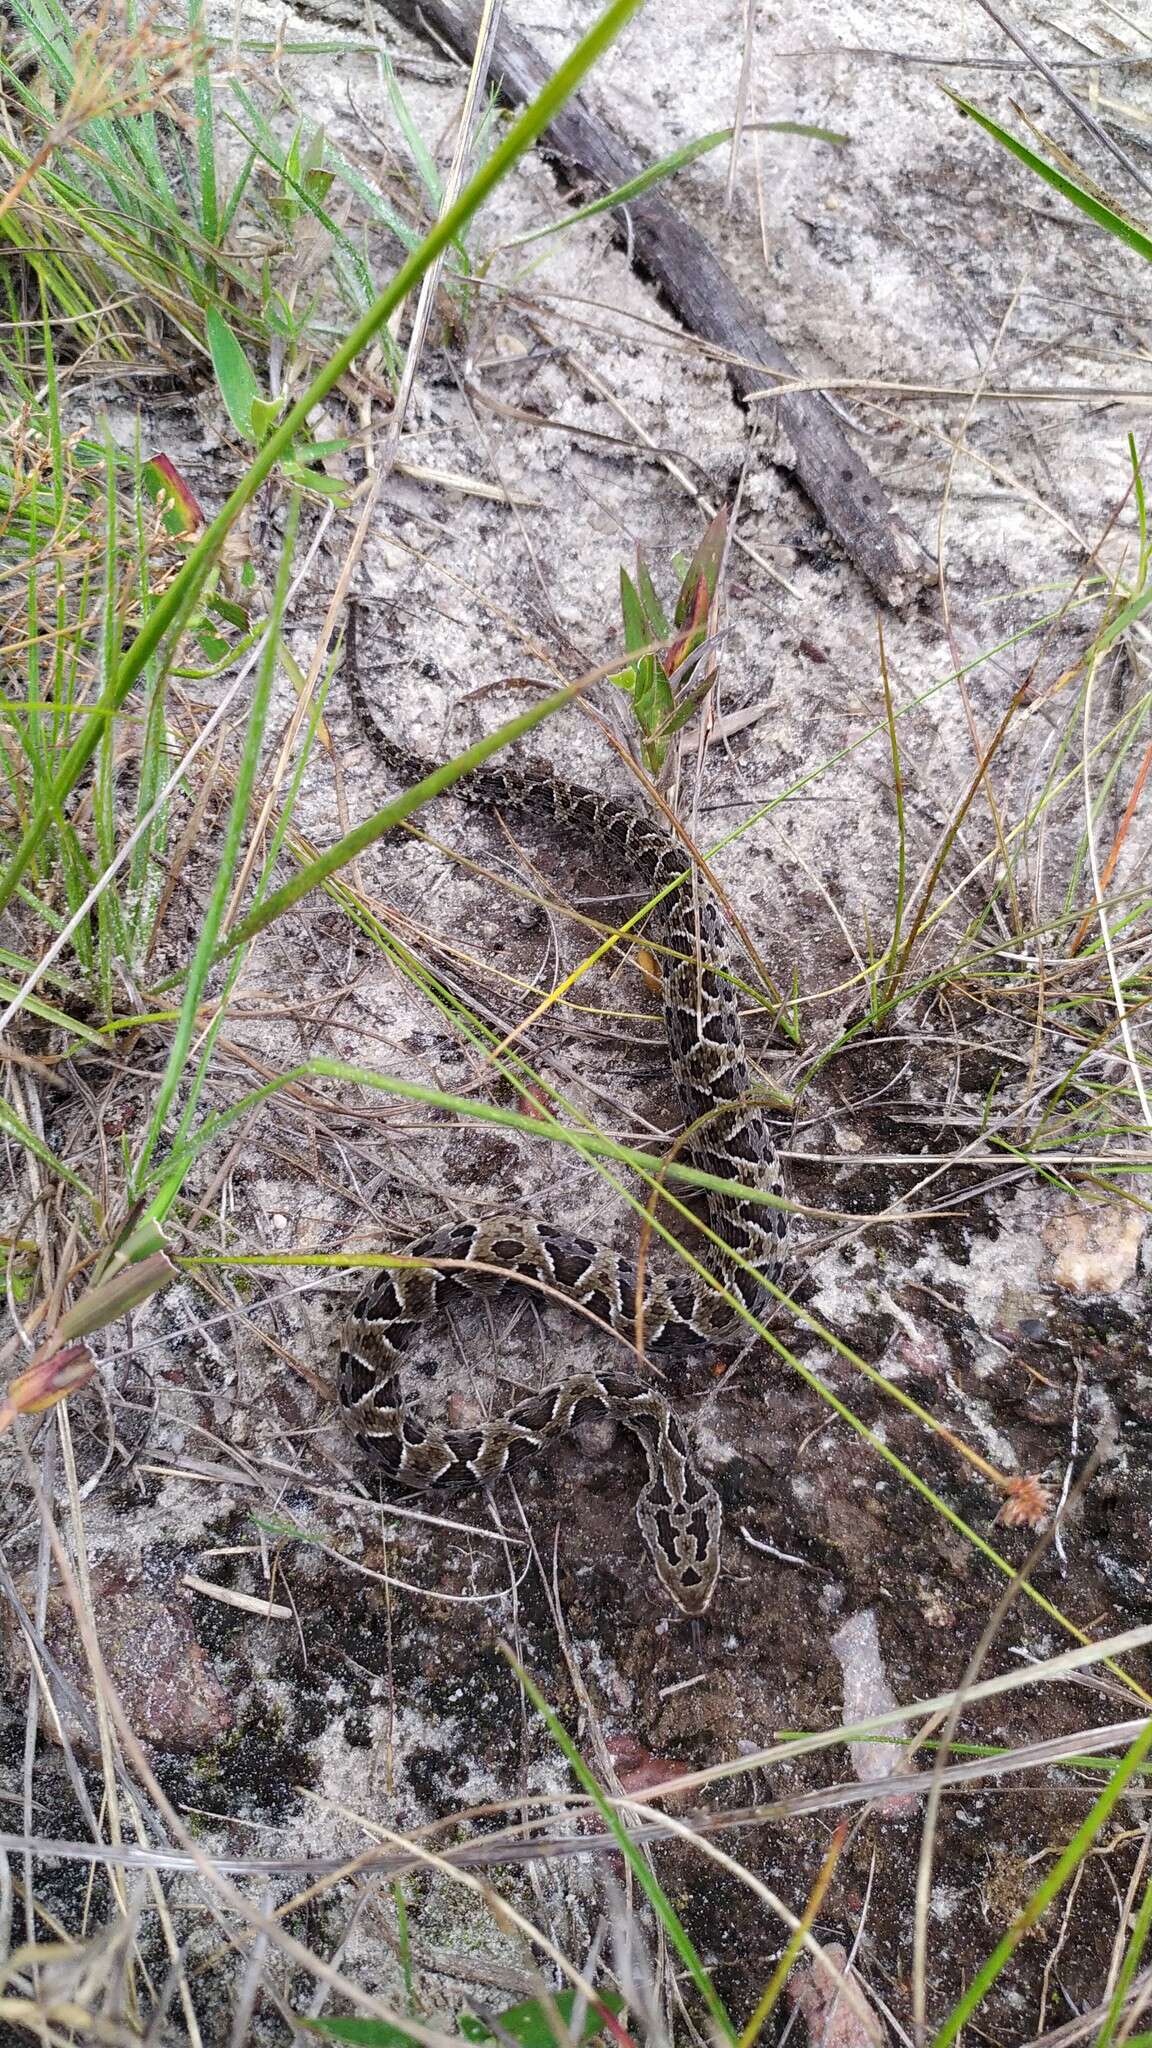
(678,1510)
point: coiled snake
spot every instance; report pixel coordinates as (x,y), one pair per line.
(678,1511)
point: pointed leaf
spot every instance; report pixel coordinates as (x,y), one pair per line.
(1104,216)
(234,373)
(653,609)
(165,488)
(292,158)
(704,568)
(636,632)
(113,1297)
(531,2023)
(48,1381)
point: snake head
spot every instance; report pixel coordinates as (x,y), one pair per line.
(682,1532)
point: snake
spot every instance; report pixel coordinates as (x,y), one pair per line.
(727,1135)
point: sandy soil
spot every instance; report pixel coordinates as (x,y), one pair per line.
(917,255)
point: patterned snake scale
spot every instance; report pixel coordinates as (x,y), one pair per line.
(678,1511)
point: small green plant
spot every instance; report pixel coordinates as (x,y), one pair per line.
(668,680)
(254,415)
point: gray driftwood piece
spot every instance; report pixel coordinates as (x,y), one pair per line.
(696,285)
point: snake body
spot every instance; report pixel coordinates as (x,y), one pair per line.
(678,1511)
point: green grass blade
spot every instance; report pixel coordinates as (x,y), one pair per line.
(1124,619)
(668,166)
(385,820)
(204,956)
(418,150)
(268,151)
(208,1041)
(205,134)
(376,204)
(1134,1950)
(181,594)
(1066,1865)
(1141,506)
(15,1128)
(593,1145)
(641,1870)
(73,1029)
(1104,217)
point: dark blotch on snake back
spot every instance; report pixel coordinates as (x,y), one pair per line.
(678,1510)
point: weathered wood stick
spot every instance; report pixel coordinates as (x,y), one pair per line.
(700,291)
